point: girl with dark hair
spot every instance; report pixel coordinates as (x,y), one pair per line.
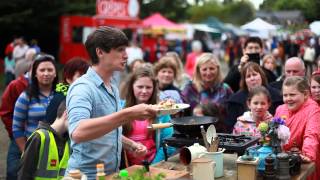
(251,76)
(30,107)
(141,87)
(258,102)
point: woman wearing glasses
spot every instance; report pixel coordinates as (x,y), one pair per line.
(30,108)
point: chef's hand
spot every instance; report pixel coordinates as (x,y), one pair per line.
(142,111)
(139,150)
(305,159)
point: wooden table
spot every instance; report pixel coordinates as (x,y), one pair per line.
(230,168)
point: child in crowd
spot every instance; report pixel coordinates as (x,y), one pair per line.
(211,109)
(141,87)
(258,102)
(47,150)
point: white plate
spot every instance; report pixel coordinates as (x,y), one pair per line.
(177,108)
(211,133)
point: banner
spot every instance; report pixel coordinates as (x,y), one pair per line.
(122,9)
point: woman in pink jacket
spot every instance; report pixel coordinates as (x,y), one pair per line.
(302,116)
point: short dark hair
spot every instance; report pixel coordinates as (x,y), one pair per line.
(73,66)
(253,39)
(61,108)
(105,38)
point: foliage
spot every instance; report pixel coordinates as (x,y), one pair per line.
(38,19)
(174,10)
(140,174)
(308,7)
(236,12)
(62,88)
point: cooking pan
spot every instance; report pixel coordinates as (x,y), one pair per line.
(190,125)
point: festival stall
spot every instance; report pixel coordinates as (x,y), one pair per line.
(260,28)
(158,32)
(315,27)
(122,14)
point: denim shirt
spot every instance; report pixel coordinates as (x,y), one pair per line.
(88,98)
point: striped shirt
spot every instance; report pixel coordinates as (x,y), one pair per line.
(27,114)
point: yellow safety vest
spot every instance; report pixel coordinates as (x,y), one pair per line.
(49,166)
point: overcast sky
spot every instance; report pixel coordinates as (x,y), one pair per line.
(256,3)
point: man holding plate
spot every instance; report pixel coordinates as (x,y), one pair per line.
(94,111)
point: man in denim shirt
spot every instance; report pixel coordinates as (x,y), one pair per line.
(94,112)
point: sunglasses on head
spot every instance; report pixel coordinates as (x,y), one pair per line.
(41,57)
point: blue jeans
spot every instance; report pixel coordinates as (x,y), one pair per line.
(13,160)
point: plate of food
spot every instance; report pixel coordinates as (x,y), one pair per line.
(170,107)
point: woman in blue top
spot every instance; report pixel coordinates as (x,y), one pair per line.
(30,107)
(141,87)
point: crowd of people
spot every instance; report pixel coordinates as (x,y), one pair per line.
(106,120)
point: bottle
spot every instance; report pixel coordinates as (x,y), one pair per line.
(123,174)
(100,172)
(75,174)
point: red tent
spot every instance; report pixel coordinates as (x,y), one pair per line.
(157,20)
(156,23)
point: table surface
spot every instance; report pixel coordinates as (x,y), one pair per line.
(230,168)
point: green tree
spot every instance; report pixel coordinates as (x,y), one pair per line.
(310,8)
(172,9)
(38,19)
(236,12)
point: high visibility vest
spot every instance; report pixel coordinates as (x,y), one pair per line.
(49,165)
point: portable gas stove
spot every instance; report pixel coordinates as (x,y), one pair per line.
(232,143)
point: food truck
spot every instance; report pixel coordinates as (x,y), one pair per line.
(74,29)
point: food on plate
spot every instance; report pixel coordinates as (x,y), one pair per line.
(167,104)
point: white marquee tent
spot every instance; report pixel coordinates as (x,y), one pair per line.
(315,27)
(259,27)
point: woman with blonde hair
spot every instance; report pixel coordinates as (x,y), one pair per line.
(207,86)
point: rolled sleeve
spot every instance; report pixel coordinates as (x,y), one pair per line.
(79,105)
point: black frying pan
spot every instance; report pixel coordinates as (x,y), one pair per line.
(190,125)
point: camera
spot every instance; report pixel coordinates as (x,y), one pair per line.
(254,57)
